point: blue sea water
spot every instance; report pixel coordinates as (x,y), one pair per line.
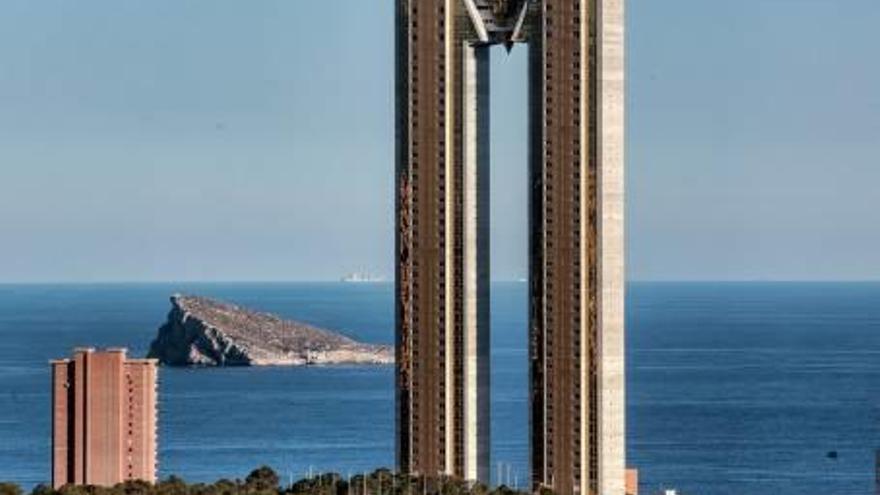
(732,388)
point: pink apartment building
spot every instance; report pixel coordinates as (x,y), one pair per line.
(103,418)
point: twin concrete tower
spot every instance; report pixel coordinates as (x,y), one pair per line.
(576,244)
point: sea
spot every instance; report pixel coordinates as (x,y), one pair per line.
(732,388)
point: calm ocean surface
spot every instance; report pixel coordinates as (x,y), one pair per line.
(733,388)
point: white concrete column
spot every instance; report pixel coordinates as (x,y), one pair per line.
(475,99)
(612,407)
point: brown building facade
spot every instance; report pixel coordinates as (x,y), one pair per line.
(103,418)
(576,275)
(576,285)
(442,312)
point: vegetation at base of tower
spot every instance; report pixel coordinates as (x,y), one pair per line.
(264,481)
(10,489)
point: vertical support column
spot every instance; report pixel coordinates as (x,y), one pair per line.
(562,294)
(451,401)
(422,319)
(403,255)
(612,424)
(442,242)
(475,263)
(537,344)
(576,246)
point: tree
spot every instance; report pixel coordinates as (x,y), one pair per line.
(73,490)
(224,487)
(42,489)
(10,489)
(135,487)
(262,479)
(171,486)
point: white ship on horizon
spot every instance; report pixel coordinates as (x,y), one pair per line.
(362,277)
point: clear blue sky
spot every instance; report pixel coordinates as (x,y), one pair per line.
(252,140)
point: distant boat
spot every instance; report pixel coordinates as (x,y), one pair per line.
(362,277)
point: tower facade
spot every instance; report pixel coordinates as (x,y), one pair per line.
(103,419)
(442,242)
(576,250)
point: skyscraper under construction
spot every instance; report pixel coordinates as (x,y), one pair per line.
(576,79)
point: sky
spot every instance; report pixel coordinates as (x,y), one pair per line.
(223,140)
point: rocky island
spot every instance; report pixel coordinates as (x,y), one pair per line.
(205,332)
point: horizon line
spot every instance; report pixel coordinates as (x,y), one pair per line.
(391,281)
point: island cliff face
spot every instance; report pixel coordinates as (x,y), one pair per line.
(205,332)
